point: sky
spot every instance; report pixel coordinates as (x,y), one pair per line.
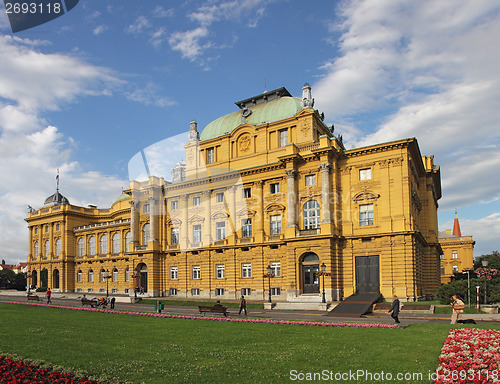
(85,92)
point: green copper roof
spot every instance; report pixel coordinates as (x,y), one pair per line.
(123,196)
(262,113)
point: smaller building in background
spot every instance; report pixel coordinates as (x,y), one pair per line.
(457,254)
(19,268)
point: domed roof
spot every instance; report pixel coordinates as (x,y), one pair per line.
(274,110)
(56,199)
(123,196)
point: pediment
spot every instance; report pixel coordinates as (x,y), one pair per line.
(196,219)
(364,196)
(275,207)
(245,213)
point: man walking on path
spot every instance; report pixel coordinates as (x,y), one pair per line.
(243,305)
(48,294)
(395,309)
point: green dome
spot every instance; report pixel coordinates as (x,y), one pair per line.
(123,196)
(274,110)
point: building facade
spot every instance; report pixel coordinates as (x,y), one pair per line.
(267,188)
(458,252)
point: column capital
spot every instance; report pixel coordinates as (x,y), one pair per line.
(325,167)
(291,173)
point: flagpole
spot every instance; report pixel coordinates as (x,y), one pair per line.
(57,178)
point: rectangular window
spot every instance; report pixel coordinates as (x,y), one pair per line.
(219,291)
(276,268)
(219,268)
(79,290)
(283,137)
(275,187)
(175,236)
(275,291)
(58,227)
(246,291)
(196,272)
(36,231)
(126,290)
(454,254)
(174,205)
(246,270)
(127,275)
(219,197)
(196,201)
(441,257)
(173,291)
(220,230)
(246,227)
(275,224)
(365,174)
(247,192)
(47,228)
(173,273)
(102,290)
(365,215)
(114,290)
(310,180)
(197,233)
(145,208)
(90,290)
(195,291)
(210,155)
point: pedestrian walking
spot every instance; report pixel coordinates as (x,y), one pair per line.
(112,300)
(243,305)
(48,294)
(395,307)
(458,308)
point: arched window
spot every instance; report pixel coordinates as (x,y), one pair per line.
(36,250)
(47,248)
(81,247)
(145,234)
(58,247)
(116,243)
(91,276)
(103,276)
(79,276)
(455,269)
(311,215)
(92,246)
(103,248)
(128,240)
(115,275)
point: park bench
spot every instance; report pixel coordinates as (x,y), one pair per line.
(89,302)
(214,309)
(34,297)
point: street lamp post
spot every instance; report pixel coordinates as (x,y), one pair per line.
(135,277)
(485,264)
(107,283)
(468,286)
(28,277)
(477,297)
(323,269)
(269,272)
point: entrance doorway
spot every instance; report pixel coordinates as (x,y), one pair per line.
(367,274)
(310,267)
(55,279)
(143,281)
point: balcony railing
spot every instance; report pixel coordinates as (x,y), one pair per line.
(308,232)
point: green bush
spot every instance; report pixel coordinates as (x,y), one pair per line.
(459,288)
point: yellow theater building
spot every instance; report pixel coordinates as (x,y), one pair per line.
(267,198)
(458,252)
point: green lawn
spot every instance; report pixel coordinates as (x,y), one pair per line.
(184,303)
(158,350)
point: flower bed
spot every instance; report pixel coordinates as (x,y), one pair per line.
(470,356)
(14,372)
(225,319)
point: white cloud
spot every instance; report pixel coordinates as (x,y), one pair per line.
(422,69)
(159,11)
(148,95)
(100,29)
(139,26)
(188,43)
(32,83)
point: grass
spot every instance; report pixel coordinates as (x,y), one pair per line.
(155,350)
(448,310)
(185,303)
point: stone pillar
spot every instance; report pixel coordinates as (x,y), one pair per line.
(153,201)
(207,230)
(183,230)
(259,217)
(325,192)
(233,224)
(133,225)
(292,198)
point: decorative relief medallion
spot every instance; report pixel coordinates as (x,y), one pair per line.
(245,142)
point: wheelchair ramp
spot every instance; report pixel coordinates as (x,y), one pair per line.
(355,305)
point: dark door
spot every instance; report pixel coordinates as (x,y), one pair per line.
(311,281)
(367,274)
(144,281)
(55,278)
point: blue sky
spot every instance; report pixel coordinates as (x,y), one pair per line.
(85,92)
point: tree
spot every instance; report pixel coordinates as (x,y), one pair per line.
(6,278)
(44,279)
